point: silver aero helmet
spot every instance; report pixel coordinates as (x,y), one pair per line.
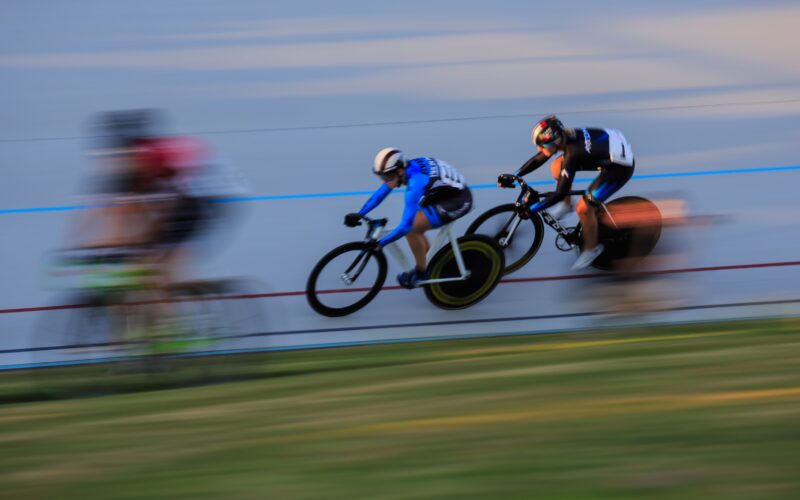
(387,161)
(548,132)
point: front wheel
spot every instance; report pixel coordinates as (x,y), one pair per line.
(346,279)
(519,246)
(483,259)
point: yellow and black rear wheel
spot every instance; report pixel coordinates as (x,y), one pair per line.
(483,258)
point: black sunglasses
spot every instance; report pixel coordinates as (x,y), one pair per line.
(389,176)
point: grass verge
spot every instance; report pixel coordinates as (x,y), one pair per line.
(693,411)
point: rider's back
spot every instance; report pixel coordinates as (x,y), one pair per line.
(442,177)
(589,148)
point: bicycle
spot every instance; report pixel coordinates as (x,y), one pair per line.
(628,227)
(462,271)
(116,311)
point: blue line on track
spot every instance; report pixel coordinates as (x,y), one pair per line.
(245,199)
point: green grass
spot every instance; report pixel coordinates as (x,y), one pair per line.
(681,412)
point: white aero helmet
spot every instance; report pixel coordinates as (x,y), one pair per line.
(387,161)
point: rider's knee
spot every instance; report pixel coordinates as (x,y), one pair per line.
(420,228)
(587,205)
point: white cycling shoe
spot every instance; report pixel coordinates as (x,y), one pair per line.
(586,257)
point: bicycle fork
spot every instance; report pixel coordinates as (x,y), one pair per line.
(352,273)
(509,229)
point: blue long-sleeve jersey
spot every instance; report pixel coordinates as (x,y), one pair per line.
(424,177)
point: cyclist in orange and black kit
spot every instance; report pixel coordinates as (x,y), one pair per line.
(605,150)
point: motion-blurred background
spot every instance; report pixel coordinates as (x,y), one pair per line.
(297,97)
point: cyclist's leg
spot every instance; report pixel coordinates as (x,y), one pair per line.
(609,181)
(417,240)
(432,216)
(184,222)
(180,224)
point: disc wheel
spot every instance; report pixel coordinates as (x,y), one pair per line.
(631,231)
(484,260)
(520,248)
(331,294)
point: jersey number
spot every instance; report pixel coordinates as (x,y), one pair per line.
(619,150)
(450,176)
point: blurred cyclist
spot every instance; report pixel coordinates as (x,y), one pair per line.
(155,192)
(436,194)
(605,150)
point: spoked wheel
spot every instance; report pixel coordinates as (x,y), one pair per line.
(630,229)
(84,349)
(483,259)
(193,322)
(518,248)
(86,330)
(346,279)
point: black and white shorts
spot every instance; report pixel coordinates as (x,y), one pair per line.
(609,181)
(444,209)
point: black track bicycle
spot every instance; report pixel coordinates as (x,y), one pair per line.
(519,232)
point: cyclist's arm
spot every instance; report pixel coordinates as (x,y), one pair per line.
(376,199)
(562,190)
(414,193)
(535,162)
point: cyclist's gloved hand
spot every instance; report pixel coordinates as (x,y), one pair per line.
(505,180)
(352,220)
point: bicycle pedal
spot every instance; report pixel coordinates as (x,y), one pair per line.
(564,245)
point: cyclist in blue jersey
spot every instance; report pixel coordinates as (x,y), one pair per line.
(605,150)
(436,194)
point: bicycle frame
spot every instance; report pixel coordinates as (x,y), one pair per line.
(376,228)
(445,233)
(551,221)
